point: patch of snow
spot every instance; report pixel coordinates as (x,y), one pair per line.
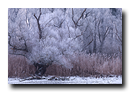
(105,80)
(67,80)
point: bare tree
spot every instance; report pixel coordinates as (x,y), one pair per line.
(30,41)
(102,35)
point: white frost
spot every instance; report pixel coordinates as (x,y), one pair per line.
(68,80)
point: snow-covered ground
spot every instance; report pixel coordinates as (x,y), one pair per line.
(67,80)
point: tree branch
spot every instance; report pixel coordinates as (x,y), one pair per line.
(104,36)
(40,31)
(87,45)
(90,42)
(39,14)
(106,31)
(14,48)
(81,16)
(99,32)
(73,17)
(117,34)
(35,16)
(68,29)
(76,23)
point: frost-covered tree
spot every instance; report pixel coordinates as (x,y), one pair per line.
(49,35)
(41,36)
(101,31)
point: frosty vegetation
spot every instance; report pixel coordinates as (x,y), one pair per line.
(58,35)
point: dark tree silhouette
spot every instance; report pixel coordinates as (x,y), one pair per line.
(40,68)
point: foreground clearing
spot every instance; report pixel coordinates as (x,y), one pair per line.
(67,80)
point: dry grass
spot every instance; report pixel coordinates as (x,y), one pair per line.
(18,67)
(83,65)
(86,65)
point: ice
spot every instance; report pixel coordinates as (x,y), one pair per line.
(67,80)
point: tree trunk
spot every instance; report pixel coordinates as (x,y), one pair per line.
(101,46)
(94,44)
(40,31)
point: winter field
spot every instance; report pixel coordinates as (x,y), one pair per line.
(67,80)
(65,42)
